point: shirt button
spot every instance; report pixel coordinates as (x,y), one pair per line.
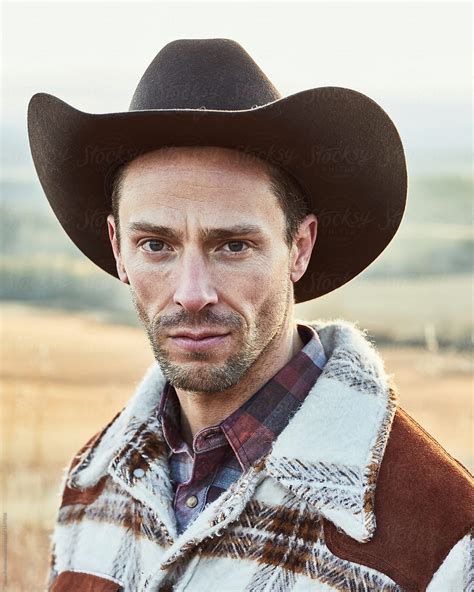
(192,501)
(138,473)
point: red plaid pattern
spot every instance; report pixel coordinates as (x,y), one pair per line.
(223,452)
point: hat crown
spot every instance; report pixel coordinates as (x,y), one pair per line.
(203,73)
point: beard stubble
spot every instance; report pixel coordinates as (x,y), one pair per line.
(251,343)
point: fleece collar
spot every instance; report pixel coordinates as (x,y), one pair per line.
(329,454)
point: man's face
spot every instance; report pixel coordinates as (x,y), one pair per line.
(202,247)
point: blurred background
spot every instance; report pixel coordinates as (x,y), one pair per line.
(72,349)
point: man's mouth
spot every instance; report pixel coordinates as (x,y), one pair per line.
(198,340)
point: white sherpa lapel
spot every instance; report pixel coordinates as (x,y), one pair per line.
(329,454)
(119,443)
(95,461)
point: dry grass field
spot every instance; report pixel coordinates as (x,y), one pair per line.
(65,375)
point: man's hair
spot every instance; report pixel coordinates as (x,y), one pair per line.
(287,190)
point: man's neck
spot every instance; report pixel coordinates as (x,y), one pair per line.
(201,410)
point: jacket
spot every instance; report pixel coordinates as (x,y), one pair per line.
(354,495)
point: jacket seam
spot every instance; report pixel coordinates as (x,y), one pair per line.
(402,578)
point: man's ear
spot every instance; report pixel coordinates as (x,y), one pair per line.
(116,249)
(303,246)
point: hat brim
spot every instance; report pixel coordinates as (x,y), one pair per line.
(338,143)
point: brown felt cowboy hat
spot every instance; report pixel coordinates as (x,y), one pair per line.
(341,147)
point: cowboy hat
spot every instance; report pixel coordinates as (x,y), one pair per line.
(339,145)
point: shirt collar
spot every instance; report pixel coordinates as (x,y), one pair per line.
(251,430)
(330,453)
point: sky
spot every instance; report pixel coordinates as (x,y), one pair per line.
(413,58)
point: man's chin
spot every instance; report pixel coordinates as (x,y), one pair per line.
(200,376)
(191,360)
(202,383)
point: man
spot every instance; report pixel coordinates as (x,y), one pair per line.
(258,452)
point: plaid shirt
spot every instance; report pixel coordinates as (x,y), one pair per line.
(221,453)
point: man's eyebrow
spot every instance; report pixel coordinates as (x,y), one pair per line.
(236,230)
(206,233)
(165,231)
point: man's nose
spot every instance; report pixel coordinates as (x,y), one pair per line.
(195,288)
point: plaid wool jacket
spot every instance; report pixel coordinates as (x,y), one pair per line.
(353,495)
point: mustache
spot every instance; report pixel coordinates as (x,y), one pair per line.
(207,318)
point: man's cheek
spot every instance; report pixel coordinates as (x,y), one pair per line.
(149,286)
(257,284)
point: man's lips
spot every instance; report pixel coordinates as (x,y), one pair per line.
(198,340)
(199,334)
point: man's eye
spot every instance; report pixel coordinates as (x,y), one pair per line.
(236,246)
(155,246)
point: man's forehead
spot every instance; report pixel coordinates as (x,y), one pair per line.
(203,177)
(203,186)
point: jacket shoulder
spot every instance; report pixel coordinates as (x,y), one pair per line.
(72,495)
(423,507)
